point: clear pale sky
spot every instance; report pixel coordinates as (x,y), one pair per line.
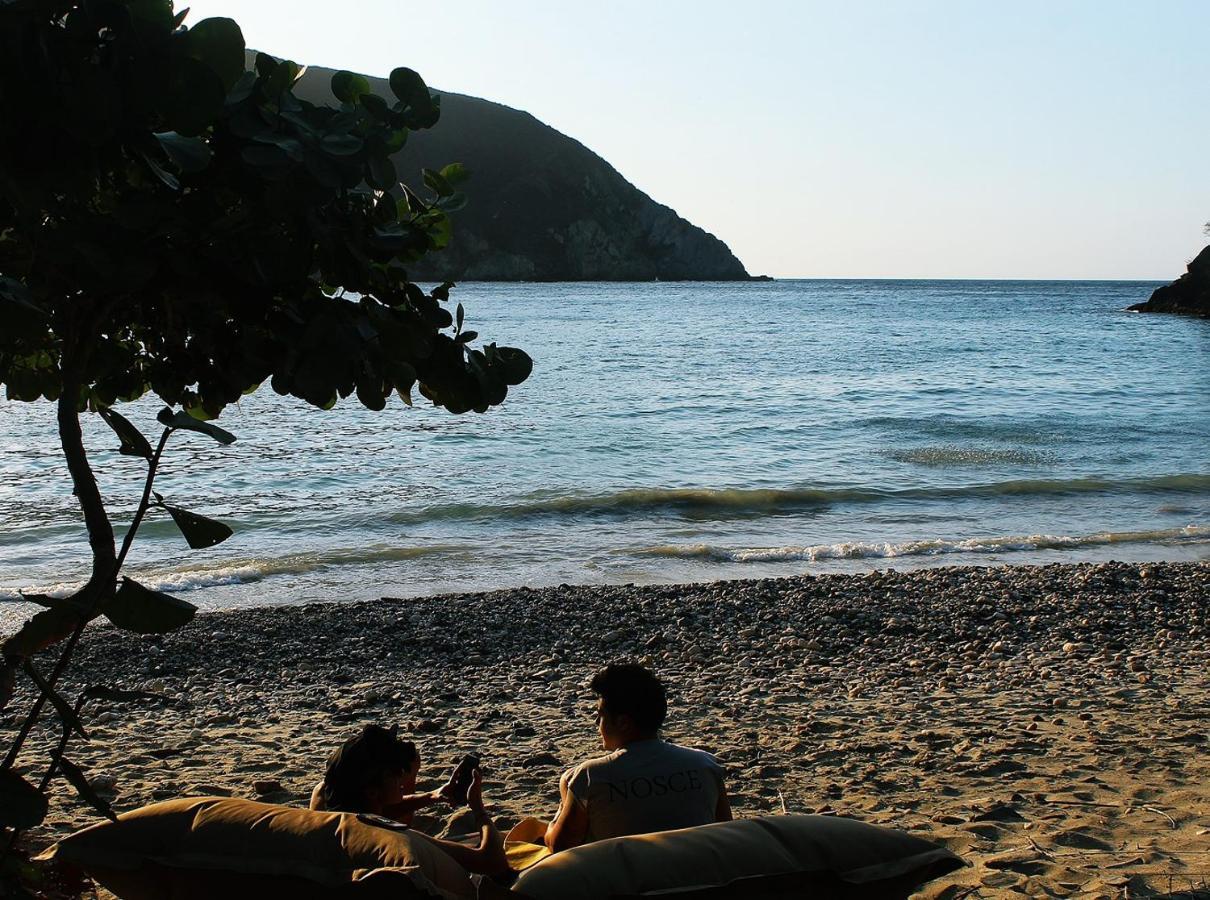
(1055,139)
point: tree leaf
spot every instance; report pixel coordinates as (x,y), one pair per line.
(144,611)
(17,293)
(341,144)
(441,231)
(186,422)
(67,715)
(455,173)
(219,43)
(347,87)
(200,532)
(64,603)
(158,170)
(410,89)
(44,629)
(513,365)
(189,154)
(191,97)
(436,183)
(453,202)
(133,442)
(87,793)
(382,172)
(21,804)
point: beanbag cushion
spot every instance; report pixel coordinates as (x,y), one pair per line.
(231,848)
(767,857)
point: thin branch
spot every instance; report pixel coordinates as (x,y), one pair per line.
(144,502)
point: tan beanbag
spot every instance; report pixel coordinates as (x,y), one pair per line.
(767,857)
(237,849)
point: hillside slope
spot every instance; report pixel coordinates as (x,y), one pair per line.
(543,207)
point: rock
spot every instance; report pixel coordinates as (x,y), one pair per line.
(209,790)
(1000,812)
(1188,295)
(539,760)
(264,786)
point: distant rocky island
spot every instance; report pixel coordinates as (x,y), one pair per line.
(1188,295)
(543,207)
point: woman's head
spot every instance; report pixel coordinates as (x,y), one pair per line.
(370,771)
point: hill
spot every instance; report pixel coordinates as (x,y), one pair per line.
(543,207)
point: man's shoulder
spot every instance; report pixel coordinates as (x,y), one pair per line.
(581,769)
(595,762)
(703,756)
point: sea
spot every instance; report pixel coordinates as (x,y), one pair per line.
(678,432)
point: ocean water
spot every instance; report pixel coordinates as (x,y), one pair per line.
(675,432)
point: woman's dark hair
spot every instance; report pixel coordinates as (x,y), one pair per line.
(632,690)
(360,763)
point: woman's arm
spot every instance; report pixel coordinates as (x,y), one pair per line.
(409,803)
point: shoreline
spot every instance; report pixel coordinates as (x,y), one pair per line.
(1049,723)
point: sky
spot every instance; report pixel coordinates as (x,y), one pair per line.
(893,139)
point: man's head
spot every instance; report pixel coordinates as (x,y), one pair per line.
(631,704)
(370,771)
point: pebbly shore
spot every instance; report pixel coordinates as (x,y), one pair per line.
(1051,724)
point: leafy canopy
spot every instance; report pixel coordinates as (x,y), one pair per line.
(172,223)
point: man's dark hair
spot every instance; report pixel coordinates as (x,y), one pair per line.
(632,690)
(360,763)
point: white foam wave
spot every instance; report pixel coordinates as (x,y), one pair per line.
(931,547)
(249,571)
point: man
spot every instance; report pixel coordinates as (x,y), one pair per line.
(645,783)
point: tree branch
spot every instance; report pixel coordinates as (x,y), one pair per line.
(90,600)
(84,486)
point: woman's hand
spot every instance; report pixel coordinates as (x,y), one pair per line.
(474,795)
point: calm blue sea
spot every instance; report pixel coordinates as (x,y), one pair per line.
(676,432)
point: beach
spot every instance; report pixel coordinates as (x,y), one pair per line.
(1048,723)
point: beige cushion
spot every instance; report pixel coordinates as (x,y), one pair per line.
(772,856)
(235,849)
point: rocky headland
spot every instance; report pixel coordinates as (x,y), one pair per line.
(1188,295)
(1049,723)
(542,206)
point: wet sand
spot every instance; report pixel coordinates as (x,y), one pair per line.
(1050,724)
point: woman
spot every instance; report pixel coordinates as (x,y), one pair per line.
(374,773)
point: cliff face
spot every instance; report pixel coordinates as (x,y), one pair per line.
(1189,294)
(543,207)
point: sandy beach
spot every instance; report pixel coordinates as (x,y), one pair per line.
(1048,723)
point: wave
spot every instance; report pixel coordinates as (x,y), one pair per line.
(248,571)
(933,547)
(734,502)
